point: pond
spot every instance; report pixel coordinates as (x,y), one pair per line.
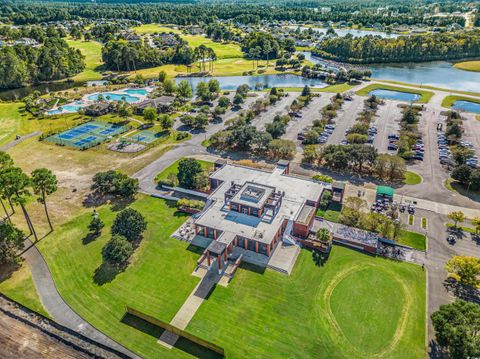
(468,106)
(353,32)
(395,95)
(267,81)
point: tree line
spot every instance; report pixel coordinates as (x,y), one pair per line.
(127,56)
(364,12)
(53,60)
(374,49)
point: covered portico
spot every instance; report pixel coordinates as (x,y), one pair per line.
(219,250)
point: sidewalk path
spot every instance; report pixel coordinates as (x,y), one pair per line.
(21,139)
(56,306)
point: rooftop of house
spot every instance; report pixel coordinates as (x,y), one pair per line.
(296,192)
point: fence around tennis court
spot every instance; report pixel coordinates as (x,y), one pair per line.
(87,135)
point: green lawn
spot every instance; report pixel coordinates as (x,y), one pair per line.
(355,306)
(412,178)
(468,66)
(413,239)
(92,50)
(155,28)
(173,168)
(449,100)
(20,287)
(157,281)
(425,95)
(222,50)
(332,213)
(10,121)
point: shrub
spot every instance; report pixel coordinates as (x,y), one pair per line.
(117,251)
(187,203)
(130,224)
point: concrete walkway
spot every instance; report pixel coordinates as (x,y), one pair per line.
(58,308)
(190,307)
(20,139)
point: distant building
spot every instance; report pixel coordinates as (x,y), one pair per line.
(26,41)
(162,104)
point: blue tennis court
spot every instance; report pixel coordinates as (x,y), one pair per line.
(87,135)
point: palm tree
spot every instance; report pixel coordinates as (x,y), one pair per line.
(44,183)
(15,185)
(5,162)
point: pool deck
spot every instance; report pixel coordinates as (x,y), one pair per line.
(85,102)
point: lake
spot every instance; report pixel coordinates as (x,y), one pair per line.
(436,73)
(433,73)
(395,95)
(466,106)
(268,81)
(353,32)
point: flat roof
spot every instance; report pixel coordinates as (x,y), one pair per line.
(253,195)
(305,214)
(296,192)
(216,247)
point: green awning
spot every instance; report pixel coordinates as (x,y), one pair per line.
(385,191)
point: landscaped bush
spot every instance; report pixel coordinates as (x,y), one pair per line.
(170,181)
(190,203)
(117,251)
(129,223)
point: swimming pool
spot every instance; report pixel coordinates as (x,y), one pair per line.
(466,106)
(136,92)
(54,112)
(114,97)
(71,108)
(395,95)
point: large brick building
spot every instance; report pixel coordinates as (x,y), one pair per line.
(254,209)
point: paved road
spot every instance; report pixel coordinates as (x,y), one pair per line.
(58,308)
(191,147)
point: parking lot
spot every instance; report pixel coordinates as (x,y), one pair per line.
(345,119)
(281,107)
(387,123)
(307,115)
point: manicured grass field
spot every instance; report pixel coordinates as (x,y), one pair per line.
(425,95)
(153,28)
(20,287)
(92,50)
(11,122)
(173,168)
(222,50)
(449,100)
(157,281)
(355,306)
(468,66)
(413,239)
(412,178)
